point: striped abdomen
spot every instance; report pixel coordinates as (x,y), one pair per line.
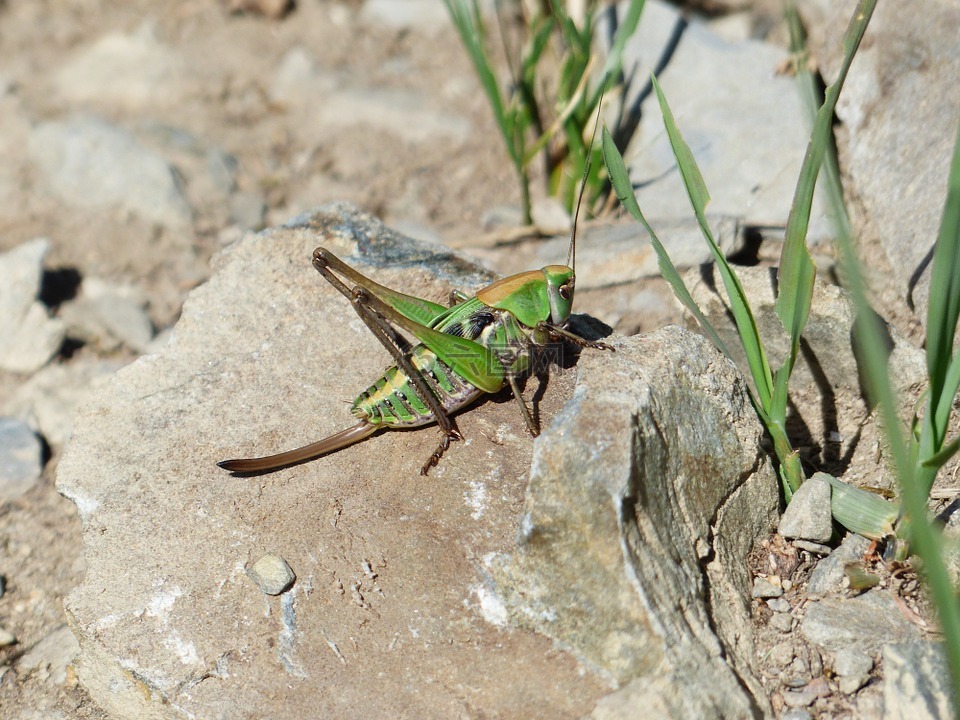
(392,400)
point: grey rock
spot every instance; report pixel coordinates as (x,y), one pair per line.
(851,662)
(763,588)
(827,334)
(209,174)
(897,173)
(849,684)
(7,638)
(90,163)
(799,698)
(797,674)
(749,149)
(916,682)
(780,655)
(813,547)
(21,459)
(108,317)
(778,605)
(31,336)
(132,71)
(826,369)
(47,400)
(603,563)
(781,622)
(795,714)
(272,574)
(864,623)
(808,517)
(49,657)
(827,577)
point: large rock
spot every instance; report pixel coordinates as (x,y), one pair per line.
(748,145)
(636,563)
(405,586)
(898,113)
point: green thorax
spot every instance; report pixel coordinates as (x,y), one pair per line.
(535,296)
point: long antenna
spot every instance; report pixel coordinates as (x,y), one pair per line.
(572,252)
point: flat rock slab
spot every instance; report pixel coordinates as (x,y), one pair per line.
(383,619)
(520,579)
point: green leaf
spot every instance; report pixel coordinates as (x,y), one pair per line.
(699,197)
(943,309)
(861,511)
(620,180)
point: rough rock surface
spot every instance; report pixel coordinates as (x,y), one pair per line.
(637,564)
(395,608)
(906,67)
(752,180)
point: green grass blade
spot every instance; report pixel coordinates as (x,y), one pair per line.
(915,479)
(466,19)
(944,307)
(620,180)
(797,270)
(940,458)
(697,192)
(614,62)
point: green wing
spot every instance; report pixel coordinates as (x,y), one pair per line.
(472,361)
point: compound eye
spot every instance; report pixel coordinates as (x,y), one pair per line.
(566,290)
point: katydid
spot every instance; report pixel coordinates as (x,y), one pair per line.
(475,346)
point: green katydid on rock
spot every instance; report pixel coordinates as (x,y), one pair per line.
(474,347)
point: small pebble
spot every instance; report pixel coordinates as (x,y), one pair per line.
(805,696)
(851,683)
(796,714)
(828,574)
(850,662)
(782,622)
(807,517)
(798,674)
(7,638)
(781,654)
(778,605)
(799,698)
(815,548)
(816,662)
(272,574)
(763,588)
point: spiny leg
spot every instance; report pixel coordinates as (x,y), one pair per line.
(525,411)
(366,307)
(322,263)
(573,337)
